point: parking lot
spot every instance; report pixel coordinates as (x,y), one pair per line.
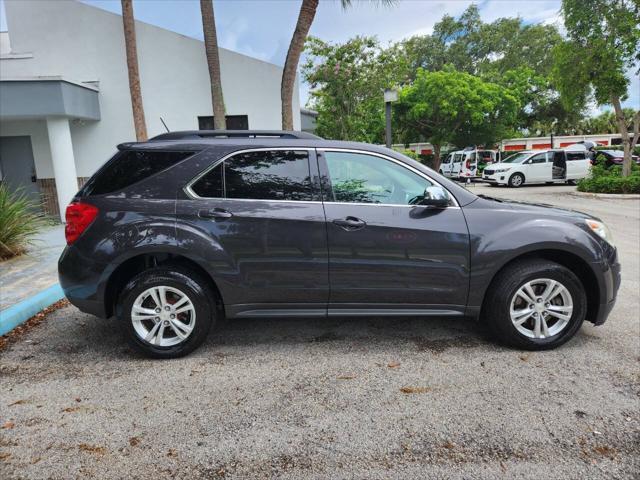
(333,398)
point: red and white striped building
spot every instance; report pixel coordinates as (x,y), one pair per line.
(559,141)
(528,143)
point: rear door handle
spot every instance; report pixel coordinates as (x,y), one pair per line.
(350,223)
(215,213)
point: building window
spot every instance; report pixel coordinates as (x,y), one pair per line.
(234,122)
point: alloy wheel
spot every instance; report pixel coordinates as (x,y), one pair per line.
(163,316)
(541,308)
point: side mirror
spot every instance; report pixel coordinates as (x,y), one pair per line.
(436,197)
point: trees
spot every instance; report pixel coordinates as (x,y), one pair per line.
(132,69)
(346,83)
(603,44)
(455,107)
(213,63)
(508,52)
(305,19)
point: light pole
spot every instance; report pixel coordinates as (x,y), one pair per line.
(390,95)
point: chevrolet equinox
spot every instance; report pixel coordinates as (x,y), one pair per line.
(176,233)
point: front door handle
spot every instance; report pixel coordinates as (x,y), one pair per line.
(216,213)
(350,223)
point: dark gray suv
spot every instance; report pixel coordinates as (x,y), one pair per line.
(175,233)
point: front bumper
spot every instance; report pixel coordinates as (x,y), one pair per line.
(613,278)
(499,178)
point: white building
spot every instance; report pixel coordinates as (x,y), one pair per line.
(64,92)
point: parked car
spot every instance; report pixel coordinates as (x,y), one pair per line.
(463,164)
(614,157)
(536,166)
(173,234)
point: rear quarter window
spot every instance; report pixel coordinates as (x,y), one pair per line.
(129,167)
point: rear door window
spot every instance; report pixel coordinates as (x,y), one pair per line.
(129,167)
(263,175)
(576,156)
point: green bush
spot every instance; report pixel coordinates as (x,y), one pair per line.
(610,180)
(20,220)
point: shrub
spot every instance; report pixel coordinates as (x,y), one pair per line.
(20,219)
(610,180)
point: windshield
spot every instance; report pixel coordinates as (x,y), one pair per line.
(517,158)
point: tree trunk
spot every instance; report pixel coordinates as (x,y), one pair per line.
(624,133)
(436,156)
(132,68)
(213,62)
(305,19)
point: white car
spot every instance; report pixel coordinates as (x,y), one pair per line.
(463,164)
(535,166)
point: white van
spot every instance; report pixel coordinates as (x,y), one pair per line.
(463,164)
(535,166)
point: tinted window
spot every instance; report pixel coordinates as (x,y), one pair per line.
(129,167)
(361,178)
(539,158)
(210,185)
(576,156)
(276,175)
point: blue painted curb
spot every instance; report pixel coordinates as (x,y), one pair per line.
(19,313)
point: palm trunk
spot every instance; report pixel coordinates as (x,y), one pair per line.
(624,134)
(305,19)
(213,62)
(132,69)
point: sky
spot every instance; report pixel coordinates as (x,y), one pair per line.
(263,28)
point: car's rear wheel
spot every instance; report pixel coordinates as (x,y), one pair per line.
(516,180)
(535,305)
(166,312)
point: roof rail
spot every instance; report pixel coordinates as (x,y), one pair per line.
(199,134)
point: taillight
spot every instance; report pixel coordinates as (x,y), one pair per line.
(78,216)
(468,164)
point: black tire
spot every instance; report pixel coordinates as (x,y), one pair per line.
(513,182)
(501,291)
(180,278)
(571,182)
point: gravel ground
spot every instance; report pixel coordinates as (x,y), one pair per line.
(337,398)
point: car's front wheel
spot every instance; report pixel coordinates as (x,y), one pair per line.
(166,312)
(516,180)
(535,305)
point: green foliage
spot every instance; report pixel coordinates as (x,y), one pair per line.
(455,107)
(609,180)
(603,44)
(507,52)
(411,154)
(604,123)
(19,221)
(347,82)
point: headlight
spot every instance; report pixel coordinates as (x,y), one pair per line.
(499,170)
(600,229)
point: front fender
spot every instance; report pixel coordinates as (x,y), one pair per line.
(498,237)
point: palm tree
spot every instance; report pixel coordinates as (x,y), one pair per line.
(305,19)
(213,62)
(132,68)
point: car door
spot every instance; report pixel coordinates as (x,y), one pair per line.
(538,169)
(577,165)
(445,168)
(387,253)
(456,165)
(261,225)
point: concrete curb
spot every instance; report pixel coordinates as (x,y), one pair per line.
(22,311)
(616,196)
